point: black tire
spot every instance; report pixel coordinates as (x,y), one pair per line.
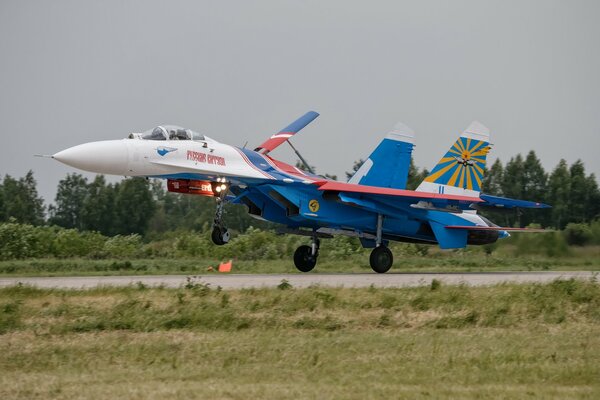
(304,260)
(381,259)
(218,236)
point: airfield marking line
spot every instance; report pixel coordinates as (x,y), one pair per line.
(239,281)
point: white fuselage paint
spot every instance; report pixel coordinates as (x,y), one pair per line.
(136,157)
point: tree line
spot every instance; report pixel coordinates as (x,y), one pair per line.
(573,195)
(141,206)
(132,206)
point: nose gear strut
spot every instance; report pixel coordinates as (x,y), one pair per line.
(220,234)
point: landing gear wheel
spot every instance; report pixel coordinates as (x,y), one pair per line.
(220,235)
(381,259)
(304,260)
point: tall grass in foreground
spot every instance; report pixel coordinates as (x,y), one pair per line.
(444,342)
(435,261)
(201,307)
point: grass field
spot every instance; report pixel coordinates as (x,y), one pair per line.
(507,341)
(435,261)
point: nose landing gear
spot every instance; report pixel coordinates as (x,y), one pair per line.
(220,234)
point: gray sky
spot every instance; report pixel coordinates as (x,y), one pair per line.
(76,71)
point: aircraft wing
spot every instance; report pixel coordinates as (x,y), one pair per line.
(287,132)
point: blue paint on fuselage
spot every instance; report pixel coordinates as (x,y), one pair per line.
(332,213)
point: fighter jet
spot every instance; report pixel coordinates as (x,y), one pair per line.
(374,205)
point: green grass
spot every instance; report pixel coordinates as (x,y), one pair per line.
(506,341)
(434,261)
(264,252)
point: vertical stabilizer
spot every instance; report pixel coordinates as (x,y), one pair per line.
(461,169)
(388,164)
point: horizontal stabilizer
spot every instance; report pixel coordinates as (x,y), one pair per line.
(503,202)
(494,228)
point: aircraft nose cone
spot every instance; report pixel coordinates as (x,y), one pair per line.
(105,157)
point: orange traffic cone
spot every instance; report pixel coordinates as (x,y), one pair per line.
(225,267)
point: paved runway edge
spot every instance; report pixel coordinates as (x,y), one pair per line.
(239,281)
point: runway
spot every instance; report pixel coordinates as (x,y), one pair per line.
(239,281)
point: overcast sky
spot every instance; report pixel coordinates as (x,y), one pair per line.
(79,71)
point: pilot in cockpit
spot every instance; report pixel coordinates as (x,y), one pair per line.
(179,134)
(169,132)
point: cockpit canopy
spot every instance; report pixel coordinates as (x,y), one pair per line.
(171,132)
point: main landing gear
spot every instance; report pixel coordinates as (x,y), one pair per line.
(381,258)
(220,234)
(305,257)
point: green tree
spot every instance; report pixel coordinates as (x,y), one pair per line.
(134,206)
(98,211)
(355,167)
(415,175)
(578,193)
(493,178)
(513,184)
(535,182)
(593,206)
(513,179)
(33,200)
(559,186)
(534,178)
(2,214)
(21,200)
(67,210)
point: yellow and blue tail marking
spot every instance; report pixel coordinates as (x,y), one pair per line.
(462,166)
(461,169)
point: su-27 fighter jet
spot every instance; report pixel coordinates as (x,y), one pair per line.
(373,205)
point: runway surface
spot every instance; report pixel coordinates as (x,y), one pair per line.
(238,281)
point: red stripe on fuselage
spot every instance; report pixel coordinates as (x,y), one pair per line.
(288,169)
(245,158)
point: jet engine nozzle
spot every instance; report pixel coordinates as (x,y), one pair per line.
(105,157)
